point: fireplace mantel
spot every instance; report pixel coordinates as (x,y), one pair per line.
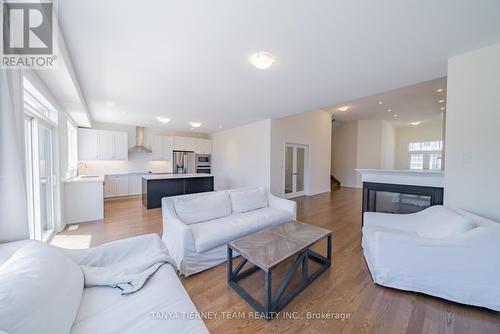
(426,178)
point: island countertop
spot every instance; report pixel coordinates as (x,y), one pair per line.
(174,176)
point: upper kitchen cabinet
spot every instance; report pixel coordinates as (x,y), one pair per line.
(102,145)
(182,143)
(204,146)
(161,147)
(198,145)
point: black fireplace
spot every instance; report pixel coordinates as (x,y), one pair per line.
(399,198)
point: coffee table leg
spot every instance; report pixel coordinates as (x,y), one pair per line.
(229,264)
(329,250)
(267,294)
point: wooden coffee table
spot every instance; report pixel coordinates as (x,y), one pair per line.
(268,248)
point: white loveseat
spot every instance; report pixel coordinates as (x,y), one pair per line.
(443,252)
(57,302)
(197,227)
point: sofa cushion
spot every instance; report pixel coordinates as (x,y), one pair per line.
(202,207)
(248,199)
(40,291)
(444,226)
(218,232)
(157,308)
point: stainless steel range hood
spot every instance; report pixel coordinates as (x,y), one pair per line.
(139,142)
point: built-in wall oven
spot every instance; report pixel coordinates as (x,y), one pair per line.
(203,163)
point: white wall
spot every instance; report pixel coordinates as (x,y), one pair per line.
(344,149)
(137,162)
(241,156)
(472,180)
(426,131)
(366,144)
(369,150)
(313,129)
(387,145)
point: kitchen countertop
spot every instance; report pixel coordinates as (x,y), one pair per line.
(85,178)
(173,176)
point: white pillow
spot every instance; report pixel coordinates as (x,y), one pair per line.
(248,200)
(40,291)
(200,208)
(444,227)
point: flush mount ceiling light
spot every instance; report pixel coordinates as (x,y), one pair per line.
(380,102)
(395,115)
(416,123)
(442,108)
(262,60)
(163,119)
(439,90)
(343,108)
(441,101)
(195,124)
(389,110)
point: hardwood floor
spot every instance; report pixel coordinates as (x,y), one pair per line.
(345,289)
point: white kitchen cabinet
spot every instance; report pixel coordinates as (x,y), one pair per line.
(120,145)
(116,185)
(87,144)
(105,145)
(134,184)
(102,145)
(122,185)
(204,146)
(198,145)
(161,146)
(109,186)
(83,200)
(183,143)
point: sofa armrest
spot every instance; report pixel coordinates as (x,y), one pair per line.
(282,204)
(177,236)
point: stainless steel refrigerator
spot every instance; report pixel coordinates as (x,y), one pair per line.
(184,162)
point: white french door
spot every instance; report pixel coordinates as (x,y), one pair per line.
(39,148)
(295,170)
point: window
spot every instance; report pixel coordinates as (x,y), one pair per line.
(72,150)
(416,161)
(39,128)
(425,155)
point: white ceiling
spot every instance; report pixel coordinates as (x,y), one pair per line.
(415,103)
(189,59)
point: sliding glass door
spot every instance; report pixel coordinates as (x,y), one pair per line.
(40,177)
(46,179)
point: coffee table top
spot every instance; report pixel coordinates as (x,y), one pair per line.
(275,244)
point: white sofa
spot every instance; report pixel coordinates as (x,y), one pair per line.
(100,310)
(197,227)
(443,252)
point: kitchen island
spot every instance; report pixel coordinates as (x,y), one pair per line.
(157,186)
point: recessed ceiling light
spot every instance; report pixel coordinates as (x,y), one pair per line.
(220,126)
(380,102)
(343,108)
(389,110)
(395,115)
(442,108)
(441,101)
(195,124)
(439,90)
(163,119)
(416,123)
(262,60)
